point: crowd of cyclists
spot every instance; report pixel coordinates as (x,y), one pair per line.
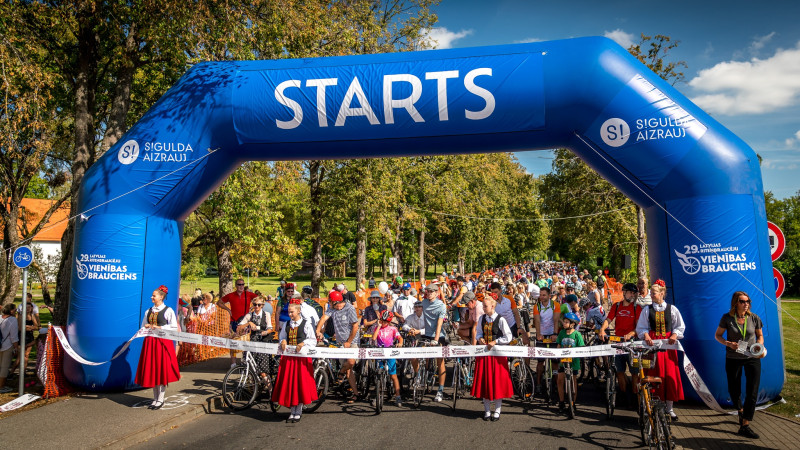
(542,304)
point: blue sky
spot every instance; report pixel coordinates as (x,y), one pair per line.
(743,59)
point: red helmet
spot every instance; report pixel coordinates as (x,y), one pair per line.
(387,315)
(335,296)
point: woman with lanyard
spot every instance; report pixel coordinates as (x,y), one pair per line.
(295,384)
(744,329)
(663,321)
(158,365)
(492,381)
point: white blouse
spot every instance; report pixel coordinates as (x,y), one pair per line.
(172,320)
(505,338)
(311,335)
(643,325)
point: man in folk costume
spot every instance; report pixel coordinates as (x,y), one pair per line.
(158,365)
(492,380)
(295,384)
(663,321)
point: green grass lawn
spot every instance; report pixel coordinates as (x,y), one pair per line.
(791,342)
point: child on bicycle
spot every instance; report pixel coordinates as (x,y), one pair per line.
(568,337)
(384,336)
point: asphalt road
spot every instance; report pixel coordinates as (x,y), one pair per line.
(434,425)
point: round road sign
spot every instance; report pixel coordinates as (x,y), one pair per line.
(780,284)
(777,242)
(23,257)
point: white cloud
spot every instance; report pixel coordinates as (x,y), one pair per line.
(779,164)
(750,87)
(797,135)
(527,40)
(441,37)
(792,142)
(758,44)
(620,37)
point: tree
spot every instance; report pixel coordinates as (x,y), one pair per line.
(786,215)
(29,119)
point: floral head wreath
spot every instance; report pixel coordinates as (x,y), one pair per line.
(661,283)
(163,289)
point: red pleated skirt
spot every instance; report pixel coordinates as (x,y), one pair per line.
(492,380)
(157,363)
(295,382)
(668,368)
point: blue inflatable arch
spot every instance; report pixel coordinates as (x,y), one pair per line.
(699,184)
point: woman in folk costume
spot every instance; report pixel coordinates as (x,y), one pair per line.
(295,384)
(158,365)
(663,321)
(492,380)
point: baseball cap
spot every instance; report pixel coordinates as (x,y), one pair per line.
(432,287)
(340,287)
(375,294)
(412,291)
(570,298)
(468,296)
(371,283)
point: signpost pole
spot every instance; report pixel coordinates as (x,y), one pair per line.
(22,352)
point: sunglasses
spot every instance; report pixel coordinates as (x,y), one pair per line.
(258,304)
(744,302)
(240,284)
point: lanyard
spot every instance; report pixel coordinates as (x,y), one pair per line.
(742,330)
(549,306)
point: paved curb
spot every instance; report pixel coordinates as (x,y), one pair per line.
(213,403)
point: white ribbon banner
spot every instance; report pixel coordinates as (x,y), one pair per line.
(465,351)
(19,402)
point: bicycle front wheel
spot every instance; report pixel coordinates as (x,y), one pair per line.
(240,388)
(570,394)
(323,383)
(457,375)
(611,394)
(418,386)
(379,392)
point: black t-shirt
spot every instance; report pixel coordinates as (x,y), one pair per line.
(349,296)
(734,332)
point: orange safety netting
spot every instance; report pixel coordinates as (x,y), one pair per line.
(614,290)
(55,384)
(215,323)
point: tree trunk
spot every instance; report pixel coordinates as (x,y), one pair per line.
(224,264)
(361,246)
(11,273)
(383,262)
(422,265)
(85,82)
(40,273)
(641,247)
(315,175)
(461,263)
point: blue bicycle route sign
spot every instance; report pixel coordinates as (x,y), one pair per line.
(23,257)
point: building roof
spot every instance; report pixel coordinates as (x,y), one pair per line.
(34,211)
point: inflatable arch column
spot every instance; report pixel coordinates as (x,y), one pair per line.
(699,184)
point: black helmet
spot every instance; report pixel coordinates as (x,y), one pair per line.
(629,287)
(307,290)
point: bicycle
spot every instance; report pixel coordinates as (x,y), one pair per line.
(522,378)
(569,388)
(548,393)
(242,386)
(653,423)
(425,376)
(463,371)
(325,370)
(611,380)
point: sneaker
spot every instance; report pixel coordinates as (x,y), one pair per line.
(538,389)
(561,406)
(398,401)
(747,432)
(438,398)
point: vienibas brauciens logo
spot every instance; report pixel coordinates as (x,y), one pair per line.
(101,267)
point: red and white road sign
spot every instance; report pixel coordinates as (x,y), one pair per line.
(777,241)
(780,284)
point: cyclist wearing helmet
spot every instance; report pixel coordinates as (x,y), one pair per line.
(385,336)
(625,314)
(345,326)
(569,336)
